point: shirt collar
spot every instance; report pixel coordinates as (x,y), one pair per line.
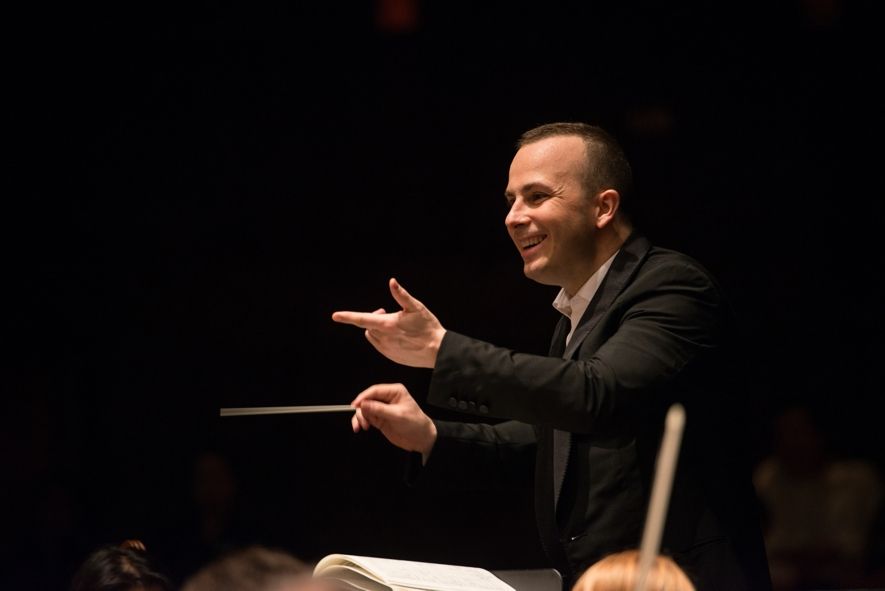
(575,306)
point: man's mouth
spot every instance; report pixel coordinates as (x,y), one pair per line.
(529,245)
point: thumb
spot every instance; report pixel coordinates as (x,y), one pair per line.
(403,298)
(376,412)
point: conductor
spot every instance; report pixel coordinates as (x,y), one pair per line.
(642,327)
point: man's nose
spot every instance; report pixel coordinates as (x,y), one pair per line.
(516,215)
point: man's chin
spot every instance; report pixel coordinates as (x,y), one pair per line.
(537,275)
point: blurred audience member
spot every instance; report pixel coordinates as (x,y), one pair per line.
(126,567)
(620,571)
(212,522)
(215,494)
(819,510)
(256,568)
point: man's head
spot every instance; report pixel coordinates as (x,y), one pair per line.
(566,186)
(256,568)
(116,568)
(606,164)
(620,572)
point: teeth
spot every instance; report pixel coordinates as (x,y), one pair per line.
(532,241)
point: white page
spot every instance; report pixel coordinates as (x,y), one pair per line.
(429,575)
(354,577)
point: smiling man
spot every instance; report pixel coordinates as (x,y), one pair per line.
(642,327)
(564,232)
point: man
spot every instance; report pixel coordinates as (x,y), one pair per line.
(642,328)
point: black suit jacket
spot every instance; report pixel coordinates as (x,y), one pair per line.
(657,331)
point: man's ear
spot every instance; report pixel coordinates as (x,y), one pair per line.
(607,204)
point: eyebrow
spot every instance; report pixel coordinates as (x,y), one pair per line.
(528,187)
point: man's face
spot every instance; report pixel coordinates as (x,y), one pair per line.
(551,219)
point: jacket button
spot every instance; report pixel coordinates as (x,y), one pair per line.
(452,402)
(483,409)
(462,405)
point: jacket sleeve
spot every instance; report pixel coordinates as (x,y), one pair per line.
(668,318)
(472,456)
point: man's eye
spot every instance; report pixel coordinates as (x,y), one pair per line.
(535,197)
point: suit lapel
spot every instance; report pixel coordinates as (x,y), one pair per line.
(622,269)
(632,252)
(557,344)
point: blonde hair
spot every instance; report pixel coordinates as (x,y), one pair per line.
(618,572)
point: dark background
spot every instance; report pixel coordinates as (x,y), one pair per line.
(195,190)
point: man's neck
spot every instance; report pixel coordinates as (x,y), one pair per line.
(610,240)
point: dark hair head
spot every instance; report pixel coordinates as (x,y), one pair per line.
(117,568)
(607,165)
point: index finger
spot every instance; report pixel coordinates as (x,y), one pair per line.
(381,392)
(361,319)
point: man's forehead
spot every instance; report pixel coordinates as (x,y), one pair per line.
(550,160)
(549,152)
(572,144)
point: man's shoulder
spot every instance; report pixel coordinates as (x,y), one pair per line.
(670,273)
(651,255)
(669,262)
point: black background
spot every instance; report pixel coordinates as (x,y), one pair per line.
(195,190)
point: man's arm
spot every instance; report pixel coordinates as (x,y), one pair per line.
(662,323)
(475,456)
(412,337)
(669,316)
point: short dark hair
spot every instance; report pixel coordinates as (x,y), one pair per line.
(607,165)
(115,568)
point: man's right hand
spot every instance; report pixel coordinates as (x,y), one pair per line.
(391,409)
(411,336)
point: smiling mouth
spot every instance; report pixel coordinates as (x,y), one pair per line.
(532,242)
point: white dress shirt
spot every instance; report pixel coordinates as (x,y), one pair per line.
(575,306)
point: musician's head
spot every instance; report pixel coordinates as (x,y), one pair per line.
(124,567)
(256,568)
(620,571)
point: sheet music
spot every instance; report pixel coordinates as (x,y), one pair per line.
(425,575)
